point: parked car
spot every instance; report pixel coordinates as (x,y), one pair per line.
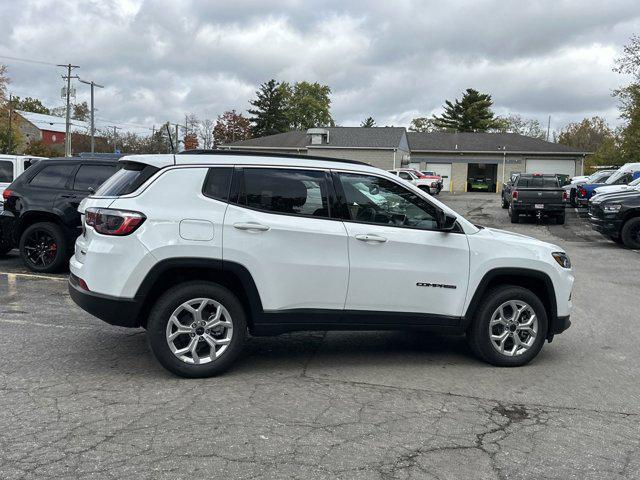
(11,167)
(479,184)
(200,248)
(40,214)
(430,174)
(537,194)
(623,176)
(617,216)
(506,189)
(416,178)
(600,176)
(616,188)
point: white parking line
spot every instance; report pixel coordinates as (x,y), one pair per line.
(13,276)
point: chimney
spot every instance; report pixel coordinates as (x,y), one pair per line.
(318,136)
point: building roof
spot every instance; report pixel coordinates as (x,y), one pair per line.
(483,142)
(51,123)
(338,137)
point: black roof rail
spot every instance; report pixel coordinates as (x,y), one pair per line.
(253,153)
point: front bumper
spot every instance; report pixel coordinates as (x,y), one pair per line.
(123,312)
(608,225)
(559,325)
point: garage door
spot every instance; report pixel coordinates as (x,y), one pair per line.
(444,170)
(563,167)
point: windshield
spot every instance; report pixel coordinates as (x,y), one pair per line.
(635,182)
(613,178)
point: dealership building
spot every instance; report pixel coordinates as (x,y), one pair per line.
(463,159)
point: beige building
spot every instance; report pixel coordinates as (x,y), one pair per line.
(466,161)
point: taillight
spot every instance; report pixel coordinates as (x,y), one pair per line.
(108,221)
(514,194)
(565,196)
(6,194)
(582,192)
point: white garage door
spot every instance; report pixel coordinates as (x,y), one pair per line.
(565,167)
(444,170)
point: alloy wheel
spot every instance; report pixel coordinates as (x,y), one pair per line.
(40,248)
(513,328)
(199,331)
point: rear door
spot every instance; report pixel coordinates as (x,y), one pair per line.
(399,261)
(280,228)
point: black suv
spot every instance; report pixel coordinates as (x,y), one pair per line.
(40,214)
(617,216)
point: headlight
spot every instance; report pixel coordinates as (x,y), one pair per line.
(562,259)
(612,208)
(434,184)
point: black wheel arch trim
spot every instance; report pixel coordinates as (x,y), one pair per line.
(524,273)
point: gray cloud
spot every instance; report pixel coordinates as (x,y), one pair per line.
(393,60)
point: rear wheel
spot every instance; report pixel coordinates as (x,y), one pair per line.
(43,247)
(515,217)
(197,329)
(505,204)
(560,219)
(509,327)
(630,233)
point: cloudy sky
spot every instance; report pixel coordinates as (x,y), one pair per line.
(393,60)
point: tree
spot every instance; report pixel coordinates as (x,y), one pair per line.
(629,62)
(514,123)
(38,148)
(592,135)
(231,127)
(30,104)
(270,115)
(308,105)
(80,111)
(424,124)
(368,122)
(205,133)
(630,133)
(471,114)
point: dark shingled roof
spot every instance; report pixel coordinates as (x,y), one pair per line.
(483,142)
(349,137)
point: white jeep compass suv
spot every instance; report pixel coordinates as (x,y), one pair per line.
(203,247)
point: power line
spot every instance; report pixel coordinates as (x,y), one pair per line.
(29,60)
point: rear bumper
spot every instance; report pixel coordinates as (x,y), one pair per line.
(582,202)
(122,312)
(7,222)
(530,208)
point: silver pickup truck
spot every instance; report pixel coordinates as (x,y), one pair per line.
(539,195)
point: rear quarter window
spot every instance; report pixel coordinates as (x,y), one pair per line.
(53,176)
(126,180)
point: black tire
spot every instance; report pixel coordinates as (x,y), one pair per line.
(165,307)
(478,333)
(515,217)
(560,219)
(630,233)
(5,248)
(505,204)
(572,197)
(55,255)
(616,239)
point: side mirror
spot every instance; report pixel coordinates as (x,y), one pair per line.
(91,190)
(446,222)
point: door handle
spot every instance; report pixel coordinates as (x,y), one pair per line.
(256,227)
(370,237)
(69,196)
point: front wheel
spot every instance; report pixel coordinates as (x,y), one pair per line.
(43,247)
(197,329)
(630,233)
(509,328)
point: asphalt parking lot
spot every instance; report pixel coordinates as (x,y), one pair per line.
(82,399)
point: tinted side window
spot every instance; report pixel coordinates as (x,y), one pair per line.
(217,183)
(295,192)
(53,176)
(405,176)
(92,176)
(380,201)
(126,180)
(6,172)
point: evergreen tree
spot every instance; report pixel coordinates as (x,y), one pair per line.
(270,112)
(368,122)
(471,114)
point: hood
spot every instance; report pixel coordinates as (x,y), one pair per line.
(616,196)
(611,189)
(511,238)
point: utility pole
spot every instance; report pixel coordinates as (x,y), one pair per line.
(548,127)
(67,135)
(93,125)
(10,128)
(115,137)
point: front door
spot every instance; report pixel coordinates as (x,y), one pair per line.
(399,261)
(280,229)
